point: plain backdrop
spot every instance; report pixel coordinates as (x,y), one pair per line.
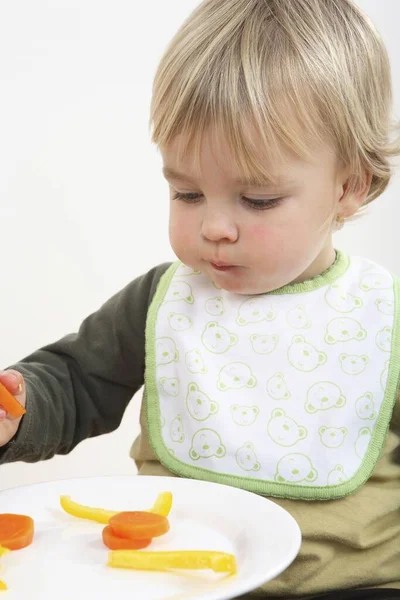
(83,204)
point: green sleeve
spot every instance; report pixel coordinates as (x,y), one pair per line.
(79,386)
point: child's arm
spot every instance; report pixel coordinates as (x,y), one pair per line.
(79,386)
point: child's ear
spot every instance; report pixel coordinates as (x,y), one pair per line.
(353,194)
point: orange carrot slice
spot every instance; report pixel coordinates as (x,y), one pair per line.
(16,531)
(139,525)
(113,542)
(10,404)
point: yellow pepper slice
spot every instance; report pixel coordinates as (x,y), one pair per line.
(220,562)
(162,506)
(85,512)
(3,551)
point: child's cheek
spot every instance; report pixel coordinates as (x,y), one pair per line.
(259,233)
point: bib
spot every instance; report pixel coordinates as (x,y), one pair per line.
(286,394)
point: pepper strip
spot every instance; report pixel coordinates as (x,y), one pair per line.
(220,562)
(162,506)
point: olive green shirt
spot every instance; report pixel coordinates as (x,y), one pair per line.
(79,387)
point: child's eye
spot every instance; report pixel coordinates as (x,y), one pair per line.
(259,204)
(190,198)
(256,204)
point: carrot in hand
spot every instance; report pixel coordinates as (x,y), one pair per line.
(16,531)
(138,525)
(10,404)
(113,542)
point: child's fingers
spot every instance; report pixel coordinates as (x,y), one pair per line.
(14,382)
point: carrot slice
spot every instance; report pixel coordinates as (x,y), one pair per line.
(16,531)
(10,404)
(138,525)
(113,542)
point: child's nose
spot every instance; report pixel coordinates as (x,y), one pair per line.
(217,226)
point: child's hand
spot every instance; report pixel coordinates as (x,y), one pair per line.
(14,382)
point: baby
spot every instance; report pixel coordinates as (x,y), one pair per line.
(270,358)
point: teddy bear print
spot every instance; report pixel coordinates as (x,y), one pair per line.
(246,458)
(276,387)
(263,344)
(170,386)
(384,339)
(337,475)
(384,375)
(244,415)
(199,405)
(179,322)
(194,362)
(344,329)
(353,364)
(179,290)
(324,395)
(215,306)
(303,356)
(166,351)
(283,430)
(297,318)
(254,310)
(332,437)
(340,300)
(234,376)
(362,441)
(217,339)
(375,281)
(177,434)
(295,468)
(206,443)
(385,306)
(185,271)
(365,407)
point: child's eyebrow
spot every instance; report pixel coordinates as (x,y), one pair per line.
(170,173)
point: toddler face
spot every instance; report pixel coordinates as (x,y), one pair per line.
(250,239)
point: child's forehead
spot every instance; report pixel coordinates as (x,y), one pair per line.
(214,153)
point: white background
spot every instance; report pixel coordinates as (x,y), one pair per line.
(83,205)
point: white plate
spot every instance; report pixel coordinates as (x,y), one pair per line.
(67,559)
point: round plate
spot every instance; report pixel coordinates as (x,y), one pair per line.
(68,559)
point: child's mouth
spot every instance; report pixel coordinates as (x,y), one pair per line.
(221,267)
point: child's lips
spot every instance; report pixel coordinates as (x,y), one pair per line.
(221,266)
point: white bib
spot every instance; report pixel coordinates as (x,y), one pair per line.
(286,394)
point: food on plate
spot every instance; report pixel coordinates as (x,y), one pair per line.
(10,404)
(139,525)
(162,506)
(220,562)
(85,512)
(3,551)
(16,531)
(114,542)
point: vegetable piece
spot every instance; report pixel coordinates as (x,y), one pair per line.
(3,551)
(16,531)
(113,542)
(10,404)
(100,515)
(86,512)
(138,525)
(163,504)
(220,562)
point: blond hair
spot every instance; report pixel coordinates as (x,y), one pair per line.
(298,70)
